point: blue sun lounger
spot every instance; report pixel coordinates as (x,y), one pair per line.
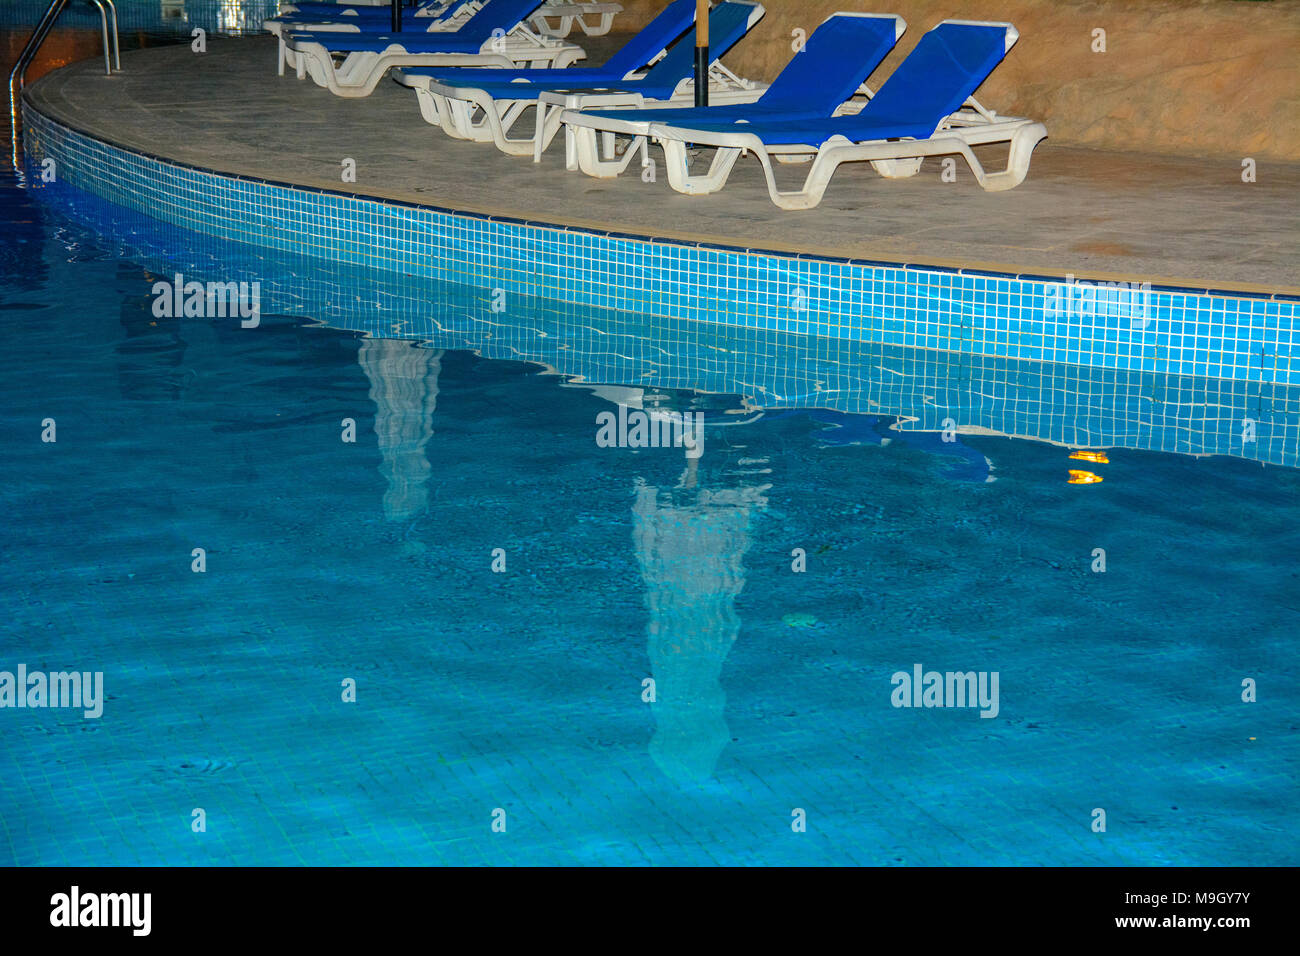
(555,18)
(342,18)
(334,11)
(369,16)
(834,63)
(484,104)
(488,38)
(925,108)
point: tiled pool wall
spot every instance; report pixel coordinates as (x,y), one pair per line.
(1182,332)
(1067,404)
(155,17)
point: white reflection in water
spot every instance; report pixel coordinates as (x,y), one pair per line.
(404,388)
(691,543)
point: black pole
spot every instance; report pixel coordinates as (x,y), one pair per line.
(701,53)
(701,76)
(397,16)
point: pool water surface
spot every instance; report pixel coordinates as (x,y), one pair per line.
(430,607)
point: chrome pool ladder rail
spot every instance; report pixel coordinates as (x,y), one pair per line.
(108,28)
(18,75)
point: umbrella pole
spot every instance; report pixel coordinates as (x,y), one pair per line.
(701,52)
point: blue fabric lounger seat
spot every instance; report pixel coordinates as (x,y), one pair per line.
(918,112)
(484,104)
(833,65)
(484,39)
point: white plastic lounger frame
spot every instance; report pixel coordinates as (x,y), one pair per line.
(580,142)
(344,22)
(360,71)
(570,13)
(575,13)
(464,112)
(893,159)
(287,57)
(972,125)
(598,159)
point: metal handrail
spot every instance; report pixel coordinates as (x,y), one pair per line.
(117,52)
(18,75)
(103,27)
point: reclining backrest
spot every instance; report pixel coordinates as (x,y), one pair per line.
(496,15)
(657,34)
(941,73)
(728,22)
(835,61)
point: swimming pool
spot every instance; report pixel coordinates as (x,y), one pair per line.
(500,586)
(522,690)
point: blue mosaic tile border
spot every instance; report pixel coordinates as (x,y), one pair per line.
(1191,332)
(215,16)
(1070,405)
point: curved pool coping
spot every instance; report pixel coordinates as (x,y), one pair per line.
(1200,332)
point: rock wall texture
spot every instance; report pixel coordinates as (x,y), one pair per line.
(1201,78)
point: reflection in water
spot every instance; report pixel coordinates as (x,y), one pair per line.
(691,543)
(150,355)
(404,388)
(852,386)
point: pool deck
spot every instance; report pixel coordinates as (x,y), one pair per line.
(1094,213)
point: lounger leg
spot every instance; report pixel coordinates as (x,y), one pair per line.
(280,65)
(430,108)
(350,69)
(571,161)
(543,25)
(1023,142)
(548,124)
(897,168)
(677,161)
(606,22)
(814,187)
(358,75)
(517,147)
(315,71)
(589,154)
(459,122)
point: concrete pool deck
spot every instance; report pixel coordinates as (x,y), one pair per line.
(1094,213)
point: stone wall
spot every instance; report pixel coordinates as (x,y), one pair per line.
(1203,78)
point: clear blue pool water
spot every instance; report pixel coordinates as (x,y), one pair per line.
(522,690)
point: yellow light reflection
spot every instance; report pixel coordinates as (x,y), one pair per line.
(1083,477)
(1096,457)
